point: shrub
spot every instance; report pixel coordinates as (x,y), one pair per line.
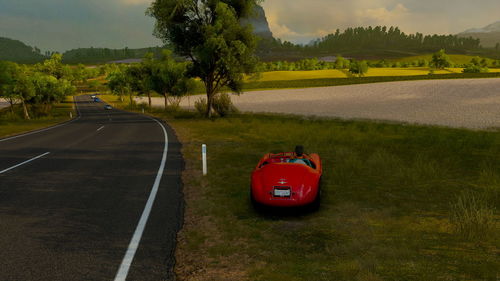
(201,106)
(474,68)
(223,105)
(472,216)
(358,67)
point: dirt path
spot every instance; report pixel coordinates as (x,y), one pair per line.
(469,103)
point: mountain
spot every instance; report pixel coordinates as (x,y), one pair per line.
(489,35)
(259,22)
(17,51)
(494,27)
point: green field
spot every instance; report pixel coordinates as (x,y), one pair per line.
(389,192)
(15,124)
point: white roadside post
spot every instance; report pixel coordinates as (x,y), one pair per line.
(204,158)
(70,115)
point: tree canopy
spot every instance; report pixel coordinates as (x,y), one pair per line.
(209,33)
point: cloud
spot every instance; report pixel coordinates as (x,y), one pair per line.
(304,20)
(381,16)
(59,25)
(136,2)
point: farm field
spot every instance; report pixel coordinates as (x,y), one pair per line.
(334,73)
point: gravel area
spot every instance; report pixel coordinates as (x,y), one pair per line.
(467,103)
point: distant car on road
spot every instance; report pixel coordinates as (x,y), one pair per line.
(93,96)
(288,179)
(108,107)
(97,100)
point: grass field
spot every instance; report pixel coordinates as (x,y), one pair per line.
(400,202)
(388,197)
(457,59)
(12,125)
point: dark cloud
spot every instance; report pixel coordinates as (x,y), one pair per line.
(62,24)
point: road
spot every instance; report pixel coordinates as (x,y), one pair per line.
(71,199)
(468,103)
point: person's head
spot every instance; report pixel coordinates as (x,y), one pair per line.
(299,150)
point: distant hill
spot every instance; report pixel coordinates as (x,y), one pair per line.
(259,22)
(104,55)
(489,35)
(17,51)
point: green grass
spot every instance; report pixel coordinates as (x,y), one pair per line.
(14,124)
(390,208)
(388,201)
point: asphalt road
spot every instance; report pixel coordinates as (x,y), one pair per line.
(71,214)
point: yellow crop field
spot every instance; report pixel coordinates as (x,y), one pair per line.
(299,75)
(334,73)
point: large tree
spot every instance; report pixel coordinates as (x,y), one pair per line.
(140,77)
(119,84)
(209,33)
(169,77)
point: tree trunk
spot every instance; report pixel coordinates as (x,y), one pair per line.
(131,100)
(210,94)
(11,101)
(166,100)
(25,111)
(209,105)
(149,99)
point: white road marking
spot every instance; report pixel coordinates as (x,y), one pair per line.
(46,129)
(102,127)
(25,162)
(122,273)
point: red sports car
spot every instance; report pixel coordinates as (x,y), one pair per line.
(288,179)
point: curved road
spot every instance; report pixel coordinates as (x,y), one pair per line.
(71,199)
(469,103)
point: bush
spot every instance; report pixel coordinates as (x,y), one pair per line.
(472,216)
(223,105)
(473,68)
(201,106)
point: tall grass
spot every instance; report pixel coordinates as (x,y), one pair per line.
(473,217)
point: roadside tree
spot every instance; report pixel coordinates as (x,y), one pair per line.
(169,77)
(209,33)
(119,84)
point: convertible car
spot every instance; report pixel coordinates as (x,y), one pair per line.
(288,179)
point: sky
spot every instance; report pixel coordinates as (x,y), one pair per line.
(60,25)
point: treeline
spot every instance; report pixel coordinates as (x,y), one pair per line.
(382,37)
(379,41)
(343,63)
(102,55)
(37,87)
